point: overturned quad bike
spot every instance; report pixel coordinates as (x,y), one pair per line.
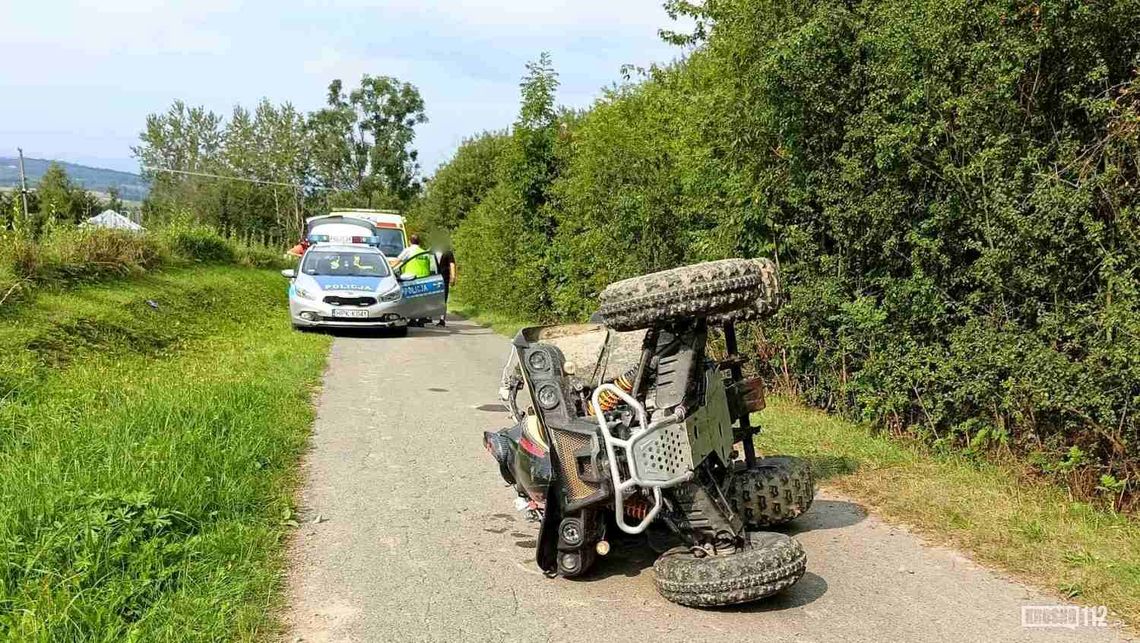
(629,425)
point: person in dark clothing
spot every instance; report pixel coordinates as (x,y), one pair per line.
(445,259)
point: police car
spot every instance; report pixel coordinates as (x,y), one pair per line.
(352,285)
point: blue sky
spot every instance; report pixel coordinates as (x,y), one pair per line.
(78,77)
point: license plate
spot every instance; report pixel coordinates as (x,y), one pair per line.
(348,312)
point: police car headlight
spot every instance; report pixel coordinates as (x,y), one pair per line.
(391,295)
(305,294)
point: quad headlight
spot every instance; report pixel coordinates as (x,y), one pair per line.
(548,396)
(538,361)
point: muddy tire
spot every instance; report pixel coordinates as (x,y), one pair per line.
(699,290)
(767,302)
(771,564)
(776,491)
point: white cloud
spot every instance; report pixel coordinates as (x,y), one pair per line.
(118,27)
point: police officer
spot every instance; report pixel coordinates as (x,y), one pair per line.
(417,261)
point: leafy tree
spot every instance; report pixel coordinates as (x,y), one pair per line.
(362,141)
(56,193)
(241,203)
(183,138)
(9,208)
(339,152)
(624,200)
(262,171)
(84,205)
(258,162)
(504,241)
(239,148)
(179,141)
(461,184)
(533,167)
(283,147)
(114,200)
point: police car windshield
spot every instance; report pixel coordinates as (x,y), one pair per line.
(344,263)
(391,241)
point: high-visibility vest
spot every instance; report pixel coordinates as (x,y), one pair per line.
(418,265)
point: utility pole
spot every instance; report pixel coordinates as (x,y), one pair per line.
(23,181)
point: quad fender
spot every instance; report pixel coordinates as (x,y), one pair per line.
(523,460)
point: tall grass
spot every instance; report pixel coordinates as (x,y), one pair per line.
(990,509)
(149,432)
(65,256)
(501,323)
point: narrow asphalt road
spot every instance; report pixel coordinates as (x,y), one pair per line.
(409,534)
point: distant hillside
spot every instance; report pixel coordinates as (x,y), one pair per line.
(132,187)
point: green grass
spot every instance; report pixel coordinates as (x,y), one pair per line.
(498,322)
(1031,529)
(148,456)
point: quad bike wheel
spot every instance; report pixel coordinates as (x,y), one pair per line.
(776,491)
(699,290)
(768,301)
(770,563)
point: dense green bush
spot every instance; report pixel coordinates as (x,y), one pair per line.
(951,193)
(509,228)
(459,185)
(255,256)
(636,193)
(949,188)
(198,243)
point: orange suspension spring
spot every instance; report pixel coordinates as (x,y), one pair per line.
(609,401)
(636,508)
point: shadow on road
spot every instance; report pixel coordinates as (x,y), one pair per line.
(492,408)
(450,329)
(628,558)
(414,332)
(360,333)
(826,514)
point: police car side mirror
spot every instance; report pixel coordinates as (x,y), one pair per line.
(289,273)
(406,276)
